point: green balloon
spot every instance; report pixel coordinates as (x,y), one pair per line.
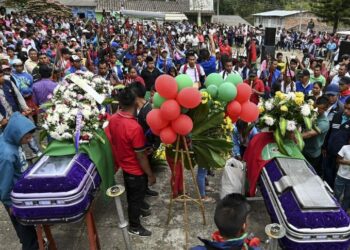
(213,90)
(227,92)
(184,110)
(158,100)
(213,79)
(183,81)
(234,78)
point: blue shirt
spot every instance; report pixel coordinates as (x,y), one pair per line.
(209,66)
(305,89)
(24,83)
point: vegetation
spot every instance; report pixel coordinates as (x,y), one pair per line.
(42,7)
(332,11)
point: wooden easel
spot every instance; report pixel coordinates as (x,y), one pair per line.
(94,242)
(182,154)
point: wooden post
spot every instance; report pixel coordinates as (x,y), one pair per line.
(185,153)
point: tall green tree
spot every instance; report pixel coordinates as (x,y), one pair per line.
(333,11)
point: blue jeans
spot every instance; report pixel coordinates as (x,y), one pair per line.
(342,185)
(201,174)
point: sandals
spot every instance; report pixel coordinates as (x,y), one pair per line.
(208,199)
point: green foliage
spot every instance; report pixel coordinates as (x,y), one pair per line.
(333,11)
(248,7)
(18,4)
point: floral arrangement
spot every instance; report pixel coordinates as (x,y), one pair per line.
(70,103)
(287,115)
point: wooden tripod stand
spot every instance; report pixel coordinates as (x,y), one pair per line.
(182,154)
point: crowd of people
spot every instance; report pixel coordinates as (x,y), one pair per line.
(37,52)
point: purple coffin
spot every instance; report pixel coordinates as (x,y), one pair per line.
(55,190)
(299,200)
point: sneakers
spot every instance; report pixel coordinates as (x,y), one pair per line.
(152,193)
(140,231)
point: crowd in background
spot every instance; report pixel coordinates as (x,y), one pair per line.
(37,52)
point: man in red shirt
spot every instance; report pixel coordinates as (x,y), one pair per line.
(128,145)
(257,86)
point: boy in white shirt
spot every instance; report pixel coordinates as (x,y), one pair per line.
(342,181)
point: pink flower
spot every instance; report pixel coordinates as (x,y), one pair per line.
(49,96)
(80,97)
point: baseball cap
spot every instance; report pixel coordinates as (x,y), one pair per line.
(4,66)
(164,50)
(73,39)
(253,72)
(332,89)
(344,80)
(75,58)
(17,62)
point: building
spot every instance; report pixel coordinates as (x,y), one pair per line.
(288,19)
(190,8)
(230,20)
(81,8)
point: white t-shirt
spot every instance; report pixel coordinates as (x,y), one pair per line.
(224,73)
(344,170)
(192,72)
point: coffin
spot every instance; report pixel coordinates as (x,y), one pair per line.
(55,190)
(301,202)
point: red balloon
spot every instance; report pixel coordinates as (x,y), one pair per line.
(155,120)
(250,112)
(182,125)
(170,110)
(167,135)
(155,132)
(234,119)
(244,92)
(233,108)
(166,86)
(189,97)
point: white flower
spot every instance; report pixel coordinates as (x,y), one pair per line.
(290,96)
(268,105)
(67,135)
(105,124)
(305,110)
(291,125)
(86,113)
(269,121)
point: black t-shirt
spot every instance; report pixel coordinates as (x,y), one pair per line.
(141,116)
(151,139)
(150,77)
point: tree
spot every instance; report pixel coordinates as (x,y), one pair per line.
(333,11)
(18,4)
(41,7)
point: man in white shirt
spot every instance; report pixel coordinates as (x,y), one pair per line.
(342,181)
(193,70)
(228,69)
(341,72)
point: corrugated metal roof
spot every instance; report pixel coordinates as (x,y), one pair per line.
(81,3)
(280,13)
(229,20)
(156,6)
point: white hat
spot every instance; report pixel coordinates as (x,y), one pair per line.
(73,39)
(75,58)
(17,62)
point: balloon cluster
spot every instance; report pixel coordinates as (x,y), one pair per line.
(174,97)
(235,93)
